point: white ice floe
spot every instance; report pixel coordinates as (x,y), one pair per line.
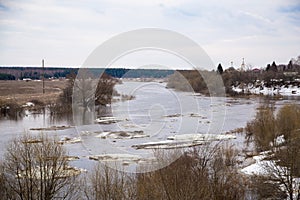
(129,125)
(68,140)
(201,137)
(116,157)
(123,159)
(52,128)
(167,144)
(122,135)
(195,115)
(183,141)
(35,172)
(107,120)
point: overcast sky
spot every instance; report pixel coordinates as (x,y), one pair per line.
(65,32)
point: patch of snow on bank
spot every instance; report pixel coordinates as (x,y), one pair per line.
(274,90)
(28,104)
(259,167)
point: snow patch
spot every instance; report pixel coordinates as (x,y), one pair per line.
(259,167)
(285,90)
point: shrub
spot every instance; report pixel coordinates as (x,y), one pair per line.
(36,167)
(263,128)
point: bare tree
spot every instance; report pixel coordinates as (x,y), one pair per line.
(282,171)
(263,128)
(83,92)
(36,167)
(284,168)
(105,89)
(105,183)
(208,172)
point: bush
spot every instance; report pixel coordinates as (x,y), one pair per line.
(288,120)
(36,167)
(263,128)
(205,173)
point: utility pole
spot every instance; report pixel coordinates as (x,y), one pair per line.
(43,65)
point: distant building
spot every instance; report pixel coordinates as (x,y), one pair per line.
(243,66)
(256,70)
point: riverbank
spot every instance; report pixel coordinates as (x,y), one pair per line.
(281,90)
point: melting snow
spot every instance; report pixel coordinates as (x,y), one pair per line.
(274,90)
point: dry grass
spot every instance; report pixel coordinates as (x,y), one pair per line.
(22,91)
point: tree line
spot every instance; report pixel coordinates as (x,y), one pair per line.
(14,73)
(200,81)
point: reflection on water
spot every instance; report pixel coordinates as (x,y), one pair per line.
(55,118)
(11,112)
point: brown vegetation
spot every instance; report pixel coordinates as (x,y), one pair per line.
(205,82)
(263,128)
(192,80)
(266,126)
(37,168)
(283,170)
(22,91)
(204,173)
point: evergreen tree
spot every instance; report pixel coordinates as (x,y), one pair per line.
(274,66)
(220,69)
(290,65)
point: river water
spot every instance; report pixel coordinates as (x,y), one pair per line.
(157,111)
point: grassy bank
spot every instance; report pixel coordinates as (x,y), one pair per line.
(22,91)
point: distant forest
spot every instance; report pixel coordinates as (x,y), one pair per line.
(35,73)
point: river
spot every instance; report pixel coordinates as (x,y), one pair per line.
(155,111)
